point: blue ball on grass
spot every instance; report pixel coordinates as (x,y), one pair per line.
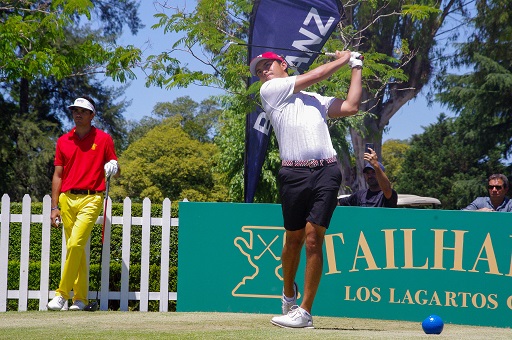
(433,324)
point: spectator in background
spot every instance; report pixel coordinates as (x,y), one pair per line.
(498,188)
(83,158)
(379,192)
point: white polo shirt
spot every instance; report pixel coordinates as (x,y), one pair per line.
(299,120)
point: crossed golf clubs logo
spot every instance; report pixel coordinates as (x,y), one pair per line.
(257,283)
(267,248)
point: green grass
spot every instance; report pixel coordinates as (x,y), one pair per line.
(152,325)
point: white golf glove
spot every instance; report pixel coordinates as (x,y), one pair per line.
(354,61)
(355,55)
(111,168)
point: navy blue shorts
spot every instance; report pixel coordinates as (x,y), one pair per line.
(308,195)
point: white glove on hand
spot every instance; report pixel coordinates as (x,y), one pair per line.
(354,61)
(111,168)
(355,55)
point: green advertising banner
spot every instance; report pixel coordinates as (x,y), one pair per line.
(396,264)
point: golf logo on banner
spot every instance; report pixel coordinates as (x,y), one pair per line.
(260,244)
(298,30)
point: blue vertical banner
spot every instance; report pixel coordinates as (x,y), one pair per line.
(289,28)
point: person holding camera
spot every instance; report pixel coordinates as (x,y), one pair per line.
(379,192)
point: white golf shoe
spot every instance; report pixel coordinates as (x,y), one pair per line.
(56,303)
(296,318)
(77,305)
(287,305)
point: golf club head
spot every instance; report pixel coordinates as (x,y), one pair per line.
(225,47)
(91,307)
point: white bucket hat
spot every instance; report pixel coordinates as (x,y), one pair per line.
(83,103)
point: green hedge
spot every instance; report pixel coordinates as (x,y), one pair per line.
(95,253)
(114,283)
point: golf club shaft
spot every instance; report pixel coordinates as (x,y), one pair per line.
(330,54)
(103,233)
(105,210)
(93,306)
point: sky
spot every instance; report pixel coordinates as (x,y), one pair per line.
(409,120)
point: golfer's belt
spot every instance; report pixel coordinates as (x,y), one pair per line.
(310,163)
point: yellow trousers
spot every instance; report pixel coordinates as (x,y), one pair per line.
(78,214)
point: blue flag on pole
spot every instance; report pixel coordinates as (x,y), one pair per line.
(288,27)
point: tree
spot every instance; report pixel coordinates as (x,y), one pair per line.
(167,162)
(439,164)
(138,129)
(34,39)
(393,154)
(454,157)
(231,161)
(200,121)
(396,34)
(49,58)
(398,39)
(482,97)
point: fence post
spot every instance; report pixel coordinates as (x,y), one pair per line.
(26,214)
(4,250)
(164,262)
(125,267)
(145,249)
(105,263)
(44,280)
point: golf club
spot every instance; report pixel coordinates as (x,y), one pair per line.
(330,54)
(225,48)
(93,306)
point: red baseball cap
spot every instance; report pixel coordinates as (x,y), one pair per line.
(263,56)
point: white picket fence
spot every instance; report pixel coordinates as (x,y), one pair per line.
(127,221)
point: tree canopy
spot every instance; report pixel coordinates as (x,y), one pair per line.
(50,53)
(34,39)
(439,164)
(483,95)
(199,120)
(393,154)
(453,158)
(167,162)
(398,39)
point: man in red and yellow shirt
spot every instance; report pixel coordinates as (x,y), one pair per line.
(83,158)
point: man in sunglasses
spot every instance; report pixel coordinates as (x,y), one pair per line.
(497,200)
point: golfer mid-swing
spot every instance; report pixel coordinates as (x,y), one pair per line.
(309,178)
(83,158)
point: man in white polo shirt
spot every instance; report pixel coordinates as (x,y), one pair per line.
(309,178)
